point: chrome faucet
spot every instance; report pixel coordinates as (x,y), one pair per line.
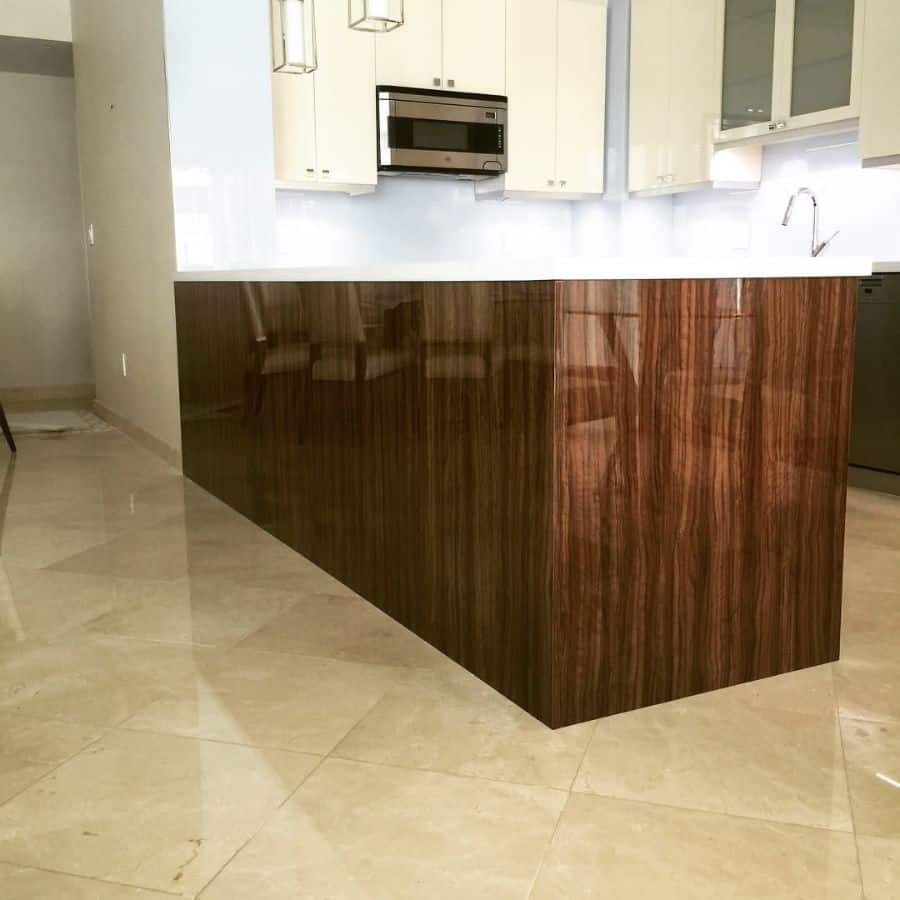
(817,247)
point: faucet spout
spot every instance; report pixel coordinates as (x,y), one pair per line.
(817,247)
(789,211)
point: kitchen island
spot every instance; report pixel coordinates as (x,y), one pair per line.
(597,485)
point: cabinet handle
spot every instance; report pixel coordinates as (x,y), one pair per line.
(451,82)
(562,184)
(326,173)
(310,171)
(550,182)
(777,126)
(781,125)
(437,82)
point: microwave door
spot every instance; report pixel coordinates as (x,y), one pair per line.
(423,137)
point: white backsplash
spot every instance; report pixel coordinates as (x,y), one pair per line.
(229,216)
(863,203)
(416,220)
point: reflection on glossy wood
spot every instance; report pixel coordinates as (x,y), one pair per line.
(411,456)
(595,496)
(702,432)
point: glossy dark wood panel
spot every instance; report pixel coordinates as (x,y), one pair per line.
(595,496)
(409,453)
(703,431)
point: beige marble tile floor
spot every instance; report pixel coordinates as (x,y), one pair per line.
(188,708)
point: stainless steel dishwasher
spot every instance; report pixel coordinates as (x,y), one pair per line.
(875,420)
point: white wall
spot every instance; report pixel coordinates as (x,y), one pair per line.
(44,315)
(47,19)
(127,190)
(220,109)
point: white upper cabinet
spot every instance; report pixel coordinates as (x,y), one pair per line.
(692,93)
(556,81)
(531,81)
(879,120)
(412,55)
(789,65)
(474,46)
(648,122)
(346,126)
(674,103)
(294,120)
(455,45)
(324,122)
(581,91)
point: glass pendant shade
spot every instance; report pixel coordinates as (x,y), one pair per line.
(294,36)
(375,15)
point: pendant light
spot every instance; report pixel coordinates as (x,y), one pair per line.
(294,36)
(375,15)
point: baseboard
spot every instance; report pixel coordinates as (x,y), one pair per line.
(58,396)
(139,435)
(874,480)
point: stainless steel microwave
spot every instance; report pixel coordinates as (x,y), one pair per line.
(441,133)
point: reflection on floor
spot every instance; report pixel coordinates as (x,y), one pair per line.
(187,706)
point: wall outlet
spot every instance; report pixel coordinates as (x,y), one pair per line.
(124,366)
(91,240)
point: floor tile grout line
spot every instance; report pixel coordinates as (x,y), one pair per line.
(548,846)
(53,770)
(262,748)
(713,812)
(261,828)
(444,772)
(286,654)
(584,755)
(332,754)
(890,723)
(71,637)
(80,877)
(852,805)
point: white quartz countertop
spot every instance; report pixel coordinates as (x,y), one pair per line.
(612,269)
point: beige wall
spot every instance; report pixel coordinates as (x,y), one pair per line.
(44,316)
(127,194)
(47,19)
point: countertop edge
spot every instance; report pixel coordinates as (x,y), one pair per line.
(562,270)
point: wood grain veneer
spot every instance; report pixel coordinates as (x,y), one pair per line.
(594,495)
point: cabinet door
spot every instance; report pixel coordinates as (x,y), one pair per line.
(825,57)
(581,95)
(693,104)
(879,123)
(651,49)
(475,45)
(294,122)
(748,66)
(531,82)
(411,56)
(346,135)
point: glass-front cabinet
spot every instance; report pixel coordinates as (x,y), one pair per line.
(789,65)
